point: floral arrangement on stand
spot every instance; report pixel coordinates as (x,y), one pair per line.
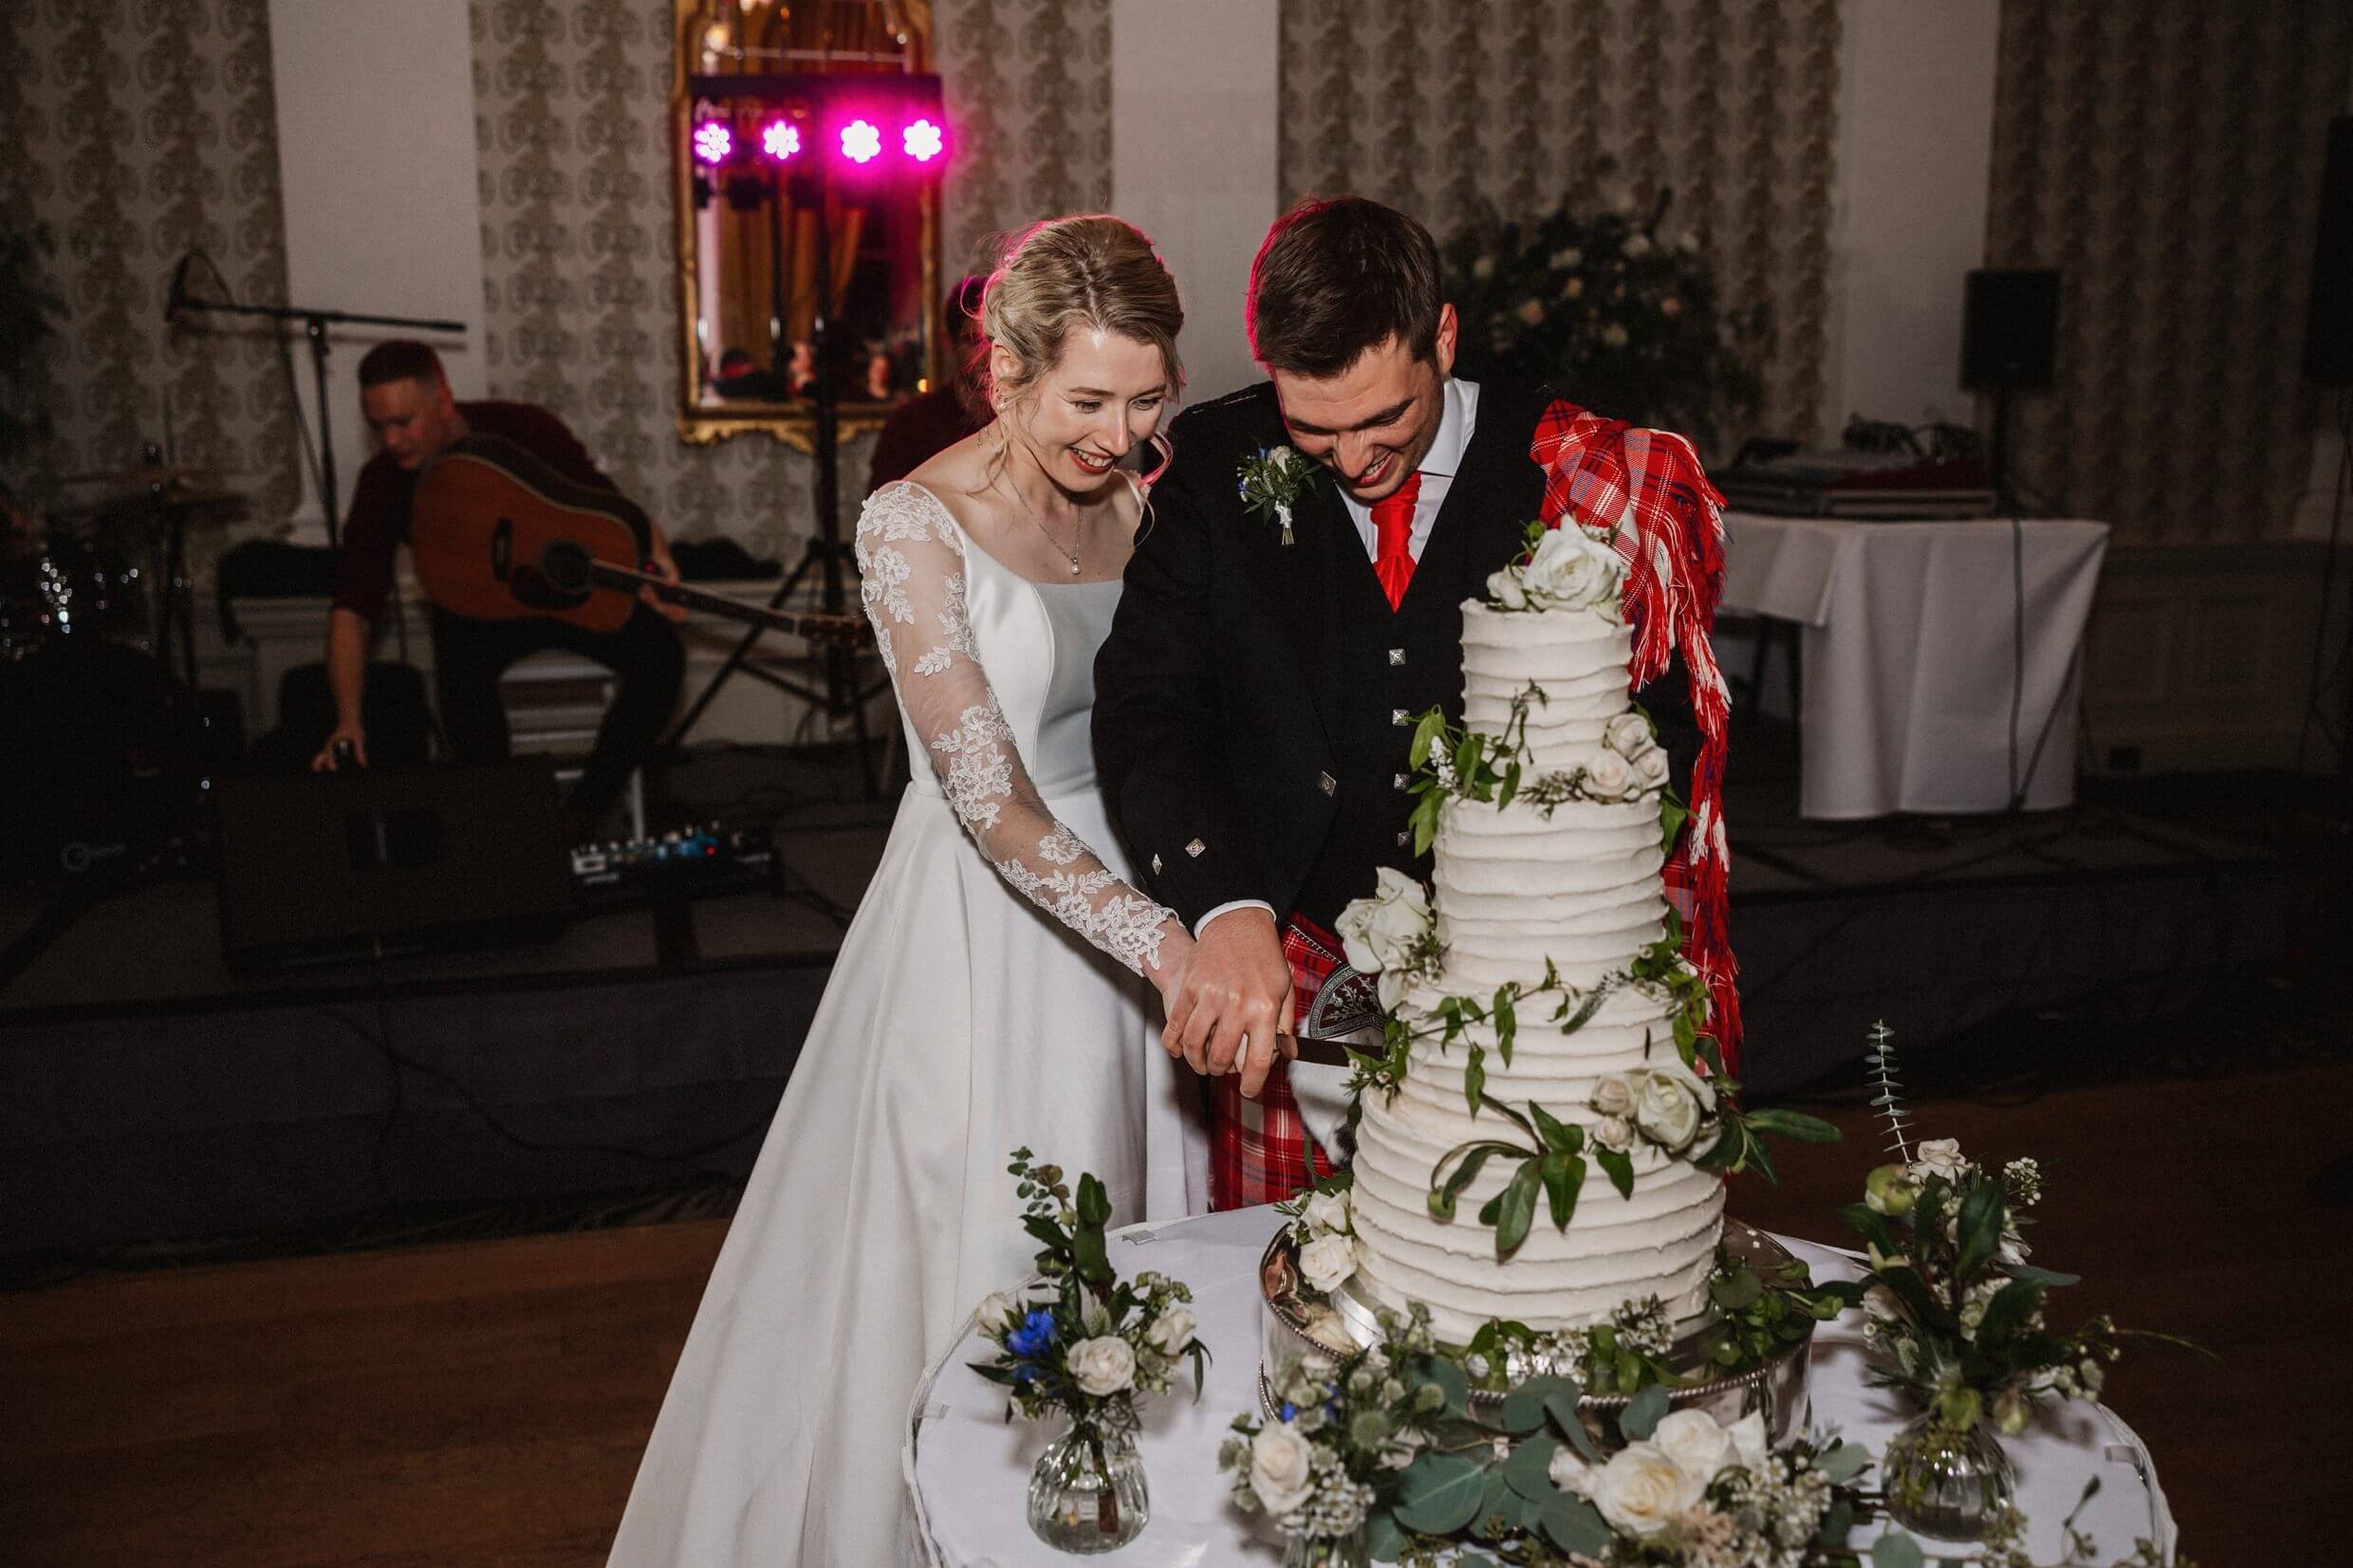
(1958,1321)
(1608,305)
(1083,1343)
(1377,1456)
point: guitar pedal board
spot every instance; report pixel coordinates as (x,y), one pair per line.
(704,861)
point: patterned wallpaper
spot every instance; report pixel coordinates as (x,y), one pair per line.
(134,130)
(1028,86)
(1732,104)
(2166,158)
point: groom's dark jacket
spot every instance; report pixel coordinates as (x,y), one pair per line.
(1254,701)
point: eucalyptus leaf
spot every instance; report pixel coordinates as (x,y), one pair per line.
(1575,1526)
(1562,1409)
(1896,1550)
(1448,1376)
(1644,1413)
(1524,1408)
(1529,1469)
(1498,1506)
(1843,1462)
(1384,1541)
(1438,1493)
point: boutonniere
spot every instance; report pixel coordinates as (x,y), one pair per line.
(1271,484)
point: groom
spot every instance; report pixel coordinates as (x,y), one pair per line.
(1255,699)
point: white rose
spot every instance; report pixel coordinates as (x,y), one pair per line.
(1613,1095)
(1101,1365)
(1642,1490)
(1327,1260)
(1327,1212)
(1628,734)
(1750,1446)
(996,1310)
(1941,1158)
(1568,1472)
(1637,243)
(1608,777)
(1379,932)
(1173,1330)
(1506,589)
(1669,1104)
(1614,1133)
(1282,1468)
(1571,569)
(1651,767)
(1693,1440)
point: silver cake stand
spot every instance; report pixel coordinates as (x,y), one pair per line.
(1293,1321)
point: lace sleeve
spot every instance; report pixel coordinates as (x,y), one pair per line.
(910,558)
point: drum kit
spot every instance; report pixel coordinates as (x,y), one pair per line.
(103,753)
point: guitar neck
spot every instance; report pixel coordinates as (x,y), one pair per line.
(817,624)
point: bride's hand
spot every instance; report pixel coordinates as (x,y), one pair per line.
(1174,958)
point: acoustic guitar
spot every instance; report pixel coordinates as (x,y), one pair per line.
(495,533)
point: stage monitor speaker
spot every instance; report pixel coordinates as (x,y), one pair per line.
(2010,328)
(331,867)
(2329,330)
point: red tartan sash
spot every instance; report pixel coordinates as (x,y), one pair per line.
(1259,1150)
(1602,471)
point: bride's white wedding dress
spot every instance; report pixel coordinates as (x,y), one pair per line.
(987,996)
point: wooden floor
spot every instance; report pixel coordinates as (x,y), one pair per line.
(484,1403)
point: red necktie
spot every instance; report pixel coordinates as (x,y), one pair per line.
(1393,531)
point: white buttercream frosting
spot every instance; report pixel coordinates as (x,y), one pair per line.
(1519,888)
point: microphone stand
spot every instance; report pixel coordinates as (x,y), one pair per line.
(315,323)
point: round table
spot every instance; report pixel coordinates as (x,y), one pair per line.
(969,1466)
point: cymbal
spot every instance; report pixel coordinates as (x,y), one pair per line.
(149,475)
(199,506)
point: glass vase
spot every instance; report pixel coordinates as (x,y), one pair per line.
(1348,1551)
(1950,1485)
(1087,1492)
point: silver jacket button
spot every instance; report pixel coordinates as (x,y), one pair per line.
(1196,848)
(1396,655)
(1328,784)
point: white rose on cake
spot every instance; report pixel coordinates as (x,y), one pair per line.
(1670,1103)
(1327,1260)
(1377,934)
(1693,1440)
(996,1310)
(1608,777)
(1282,1468)
(1173,1330)
(1651,768)
(1642,1490)
(1628,734)
(1101,1365)
(1571,570)
(1327,1212)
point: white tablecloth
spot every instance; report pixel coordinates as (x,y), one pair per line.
(969,1467)
(1909,657)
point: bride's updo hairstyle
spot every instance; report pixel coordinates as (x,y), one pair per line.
(1064,275)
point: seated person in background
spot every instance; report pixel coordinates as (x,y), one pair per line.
(413,413)
(740,375)
(933,421)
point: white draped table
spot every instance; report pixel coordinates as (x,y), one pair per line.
(969,1468)
(1908,650)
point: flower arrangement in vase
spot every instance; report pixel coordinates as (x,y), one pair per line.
(1080,1343)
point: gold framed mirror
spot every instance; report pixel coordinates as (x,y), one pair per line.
(810,146)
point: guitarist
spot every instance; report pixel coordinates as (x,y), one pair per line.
(410,408)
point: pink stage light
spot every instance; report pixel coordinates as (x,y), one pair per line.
(860,143)
(714,141)
(923,141)
(779,140)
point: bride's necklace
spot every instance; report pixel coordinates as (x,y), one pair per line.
(1069,555)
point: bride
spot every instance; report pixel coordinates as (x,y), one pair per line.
(994,991)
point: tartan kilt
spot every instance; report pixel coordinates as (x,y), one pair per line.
(1259,1149)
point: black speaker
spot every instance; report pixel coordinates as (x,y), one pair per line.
(2010,328)
(330,867)
(2328,331)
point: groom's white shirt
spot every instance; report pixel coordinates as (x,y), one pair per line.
(1456,419)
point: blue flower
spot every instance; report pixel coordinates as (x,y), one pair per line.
(1034,1337)
(1289,1409)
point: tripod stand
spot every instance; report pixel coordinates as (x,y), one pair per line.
(839,695)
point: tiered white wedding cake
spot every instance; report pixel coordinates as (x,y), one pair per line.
(1554,894)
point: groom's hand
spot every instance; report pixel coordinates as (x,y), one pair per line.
(1235,991)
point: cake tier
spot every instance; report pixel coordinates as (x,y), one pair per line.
(1576,659)
(1660,1241)
(1517,885)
